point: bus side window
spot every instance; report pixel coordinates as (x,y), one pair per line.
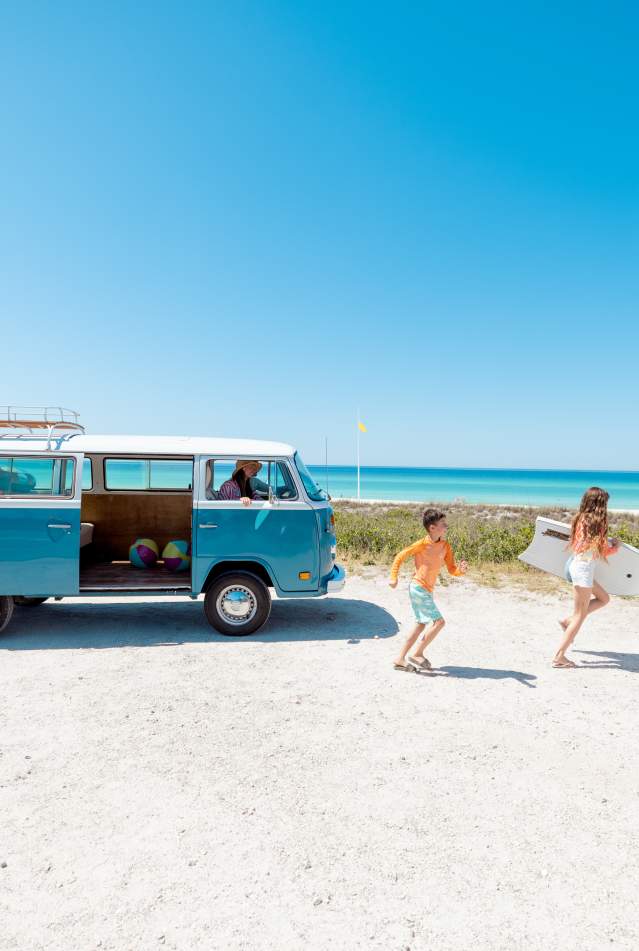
(33,476)
(283,485)
(272,478)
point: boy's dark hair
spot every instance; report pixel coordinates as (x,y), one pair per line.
(431,516)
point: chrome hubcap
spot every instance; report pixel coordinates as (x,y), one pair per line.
(236,604)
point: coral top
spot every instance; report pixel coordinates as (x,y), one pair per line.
(429,558)
(592,546)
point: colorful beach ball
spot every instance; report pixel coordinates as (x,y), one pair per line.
(143,553)
(177,555)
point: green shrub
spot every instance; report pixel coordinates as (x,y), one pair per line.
(373,534)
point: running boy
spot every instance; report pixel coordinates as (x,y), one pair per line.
(429,553)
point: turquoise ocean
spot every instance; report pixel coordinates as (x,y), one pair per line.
(547,487)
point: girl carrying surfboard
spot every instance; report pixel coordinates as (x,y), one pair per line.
(588,543)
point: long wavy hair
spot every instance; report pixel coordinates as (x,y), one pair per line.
(592,520)
(244,482)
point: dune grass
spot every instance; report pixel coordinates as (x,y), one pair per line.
(489,537)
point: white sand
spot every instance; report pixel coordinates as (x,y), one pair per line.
(166,787)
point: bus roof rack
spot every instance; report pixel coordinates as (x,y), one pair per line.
(32,420)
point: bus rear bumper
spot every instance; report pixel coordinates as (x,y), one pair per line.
(336,580)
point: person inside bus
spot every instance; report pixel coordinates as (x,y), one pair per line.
(243,485)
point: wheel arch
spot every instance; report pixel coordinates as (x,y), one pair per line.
(255,568)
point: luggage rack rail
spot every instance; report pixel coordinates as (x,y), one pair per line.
(37,421)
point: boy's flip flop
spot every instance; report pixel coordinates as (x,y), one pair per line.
(558,664)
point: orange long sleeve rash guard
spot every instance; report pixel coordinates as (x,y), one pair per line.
(429,558)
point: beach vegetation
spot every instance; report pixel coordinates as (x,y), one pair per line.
(490,538)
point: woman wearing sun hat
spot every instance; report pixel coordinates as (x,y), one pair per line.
(238,487)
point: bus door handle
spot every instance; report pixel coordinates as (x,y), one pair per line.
(63,526)
(207,525)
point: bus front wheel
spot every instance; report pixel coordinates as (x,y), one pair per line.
(237,603)
(6,610)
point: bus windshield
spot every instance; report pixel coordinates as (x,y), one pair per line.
(312,488)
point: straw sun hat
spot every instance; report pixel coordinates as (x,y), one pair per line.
(241,463)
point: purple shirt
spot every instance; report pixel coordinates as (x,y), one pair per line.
(230,491)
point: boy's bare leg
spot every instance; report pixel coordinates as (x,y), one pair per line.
(412,637)
(430,636)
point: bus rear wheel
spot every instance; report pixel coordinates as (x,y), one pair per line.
(28,602)
(6,610)
(237,603)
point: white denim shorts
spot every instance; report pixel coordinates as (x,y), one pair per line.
(580,571)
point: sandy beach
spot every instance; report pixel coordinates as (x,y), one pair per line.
(165,787)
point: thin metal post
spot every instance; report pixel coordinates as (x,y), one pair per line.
(326,462)
(358,454)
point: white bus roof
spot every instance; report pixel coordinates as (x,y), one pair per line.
(148,445)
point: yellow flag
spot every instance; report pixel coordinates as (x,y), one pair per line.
(361,427)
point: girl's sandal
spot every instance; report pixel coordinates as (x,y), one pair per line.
(565,663)
(407,668)
(422,662)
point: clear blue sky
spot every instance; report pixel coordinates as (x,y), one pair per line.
(248,218)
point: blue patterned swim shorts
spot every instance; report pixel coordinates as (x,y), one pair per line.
(424,607)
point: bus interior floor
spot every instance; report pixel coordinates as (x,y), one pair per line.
(122,575)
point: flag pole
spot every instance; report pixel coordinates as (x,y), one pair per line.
(358,454)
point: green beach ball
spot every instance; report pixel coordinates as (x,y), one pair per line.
(177,555)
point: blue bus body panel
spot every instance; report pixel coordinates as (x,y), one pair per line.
(326,546)
(37,558)
(283,540)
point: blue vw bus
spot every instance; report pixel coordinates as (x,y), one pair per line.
(72,504)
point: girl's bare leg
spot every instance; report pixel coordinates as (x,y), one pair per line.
(579,615)
(430,636)
(412,637)
(600,600)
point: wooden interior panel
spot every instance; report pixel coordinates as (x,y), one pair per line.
(121,517)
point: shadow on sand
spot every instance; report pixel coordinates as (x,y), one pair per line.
(488,673)
(62,625)
(610,660)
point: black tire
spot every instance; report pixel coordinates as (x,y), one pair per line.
(28,602)
(253,597)
(6,610)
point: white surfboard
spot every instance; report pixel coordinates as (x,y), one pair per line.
(549,551)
